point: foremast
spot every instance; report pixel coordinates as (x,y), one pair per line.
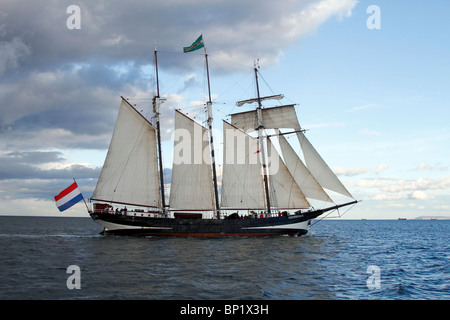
(156,109)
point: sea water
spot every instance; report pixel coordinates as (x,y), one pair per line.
(67,258)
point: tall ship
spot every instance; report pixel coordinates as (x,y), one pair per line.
(261,190)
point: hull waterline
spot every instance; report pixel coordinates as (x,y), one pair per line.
(169,227)
(145,225)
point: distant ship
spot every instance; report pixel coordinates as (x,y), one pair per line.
(256,199)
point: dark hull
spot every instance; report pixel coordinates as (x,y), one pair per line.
(141,225)
(169,227)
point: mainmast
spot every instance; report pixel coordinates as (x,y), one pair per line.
(213,160)
(156,109)
(261,138)
(197,44)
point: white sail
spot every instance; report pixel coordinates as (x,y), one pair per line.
(285,192)
(301,174)
(276,117)
(241,103)
(192,185)
(130,172)
(319,169)
(242,182)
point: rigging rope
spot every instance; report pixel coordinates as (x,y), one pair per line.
(340,215)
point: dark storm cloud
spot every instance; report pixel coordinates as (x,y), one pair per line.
(51,76)
(127,30)
(33,174)
(117,31)
(60,88)
(25,165)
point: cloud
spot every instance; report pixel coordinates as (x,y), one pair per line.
(416,195)
(60,88)
(370,133)
(340,171)
(28,165)
(363,107)
(381,167)
(424,166)
(272,26)
(69,81)
(419,195)
(41,175)
(11,53)
(118,31)
(190,82)
(350,172)
(405,189)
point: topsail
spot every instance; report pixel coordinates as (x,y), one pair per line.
(276,117)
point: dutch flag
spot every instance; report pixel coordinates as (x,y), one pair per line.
(68,197)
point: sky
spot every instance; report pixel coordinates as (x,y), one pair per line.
(371,88)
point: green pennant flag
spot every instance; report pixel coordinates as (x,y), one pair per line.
(195,46)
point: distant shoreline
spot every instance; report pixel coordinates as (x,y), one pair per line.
(420,218)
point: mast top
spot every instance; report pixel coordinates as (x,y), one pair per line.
(256,64)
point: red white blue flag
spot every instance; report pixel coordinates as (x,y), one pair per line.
(68,197)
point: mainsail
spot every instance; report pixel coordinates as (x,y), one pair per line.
(130,172)
(242,182)
(192,185)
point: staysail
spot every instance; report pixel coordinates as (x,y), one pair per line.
(300,172)
(130,172)
(286,193)
(311,178)
(192,185)
(319,169)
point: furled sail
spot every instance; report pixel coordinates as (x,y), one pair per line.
(276,117)
(285,192)
(319,169)
(241,103)
(301,174)
(130,172)
(192,185)
(242,182)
